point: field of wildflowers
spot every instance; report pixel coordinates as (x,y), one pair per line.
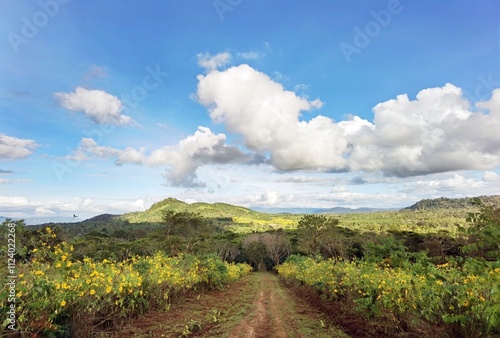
(461,296)
(56,293)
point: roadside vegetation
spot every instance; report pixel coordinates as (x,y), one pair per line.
(432,265)
(457,291)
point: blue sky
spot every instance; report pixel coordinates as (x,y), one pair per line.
(110,106)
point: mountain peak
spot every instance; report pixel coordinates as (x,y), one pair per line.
(169,202)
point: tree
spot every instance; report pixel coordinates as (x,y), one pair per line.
(256,252)
(484,234)
(189,227)
(277,245)
(311,229)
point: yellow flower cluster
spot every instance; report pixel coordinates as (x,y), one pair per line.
(443,292)
(53,283)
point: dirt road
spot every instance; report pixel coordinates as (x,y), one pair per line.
(276,313)
(268,314)
(258,306)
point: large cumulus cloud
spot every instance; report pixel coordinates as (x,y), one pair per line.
(249,103)
(439,131)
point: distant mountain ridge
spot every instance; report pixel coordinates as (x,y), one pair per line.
(453,203)
(224,210)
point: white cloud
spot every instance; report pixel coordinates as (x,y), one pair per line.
(18,206)
(249,103)
(458,182)
(298,179)
(19,180)
(14,148)
(493,104)
(89,149)
(183,159)
(211,63)
(101,107)
(339,190)
(131,155)
(203,147)
(95,71)
(337,198)
(436,132)
(252,55)
(89,146)
(446,184)
(490,176)
(267,198)
(14,201)
(41,211)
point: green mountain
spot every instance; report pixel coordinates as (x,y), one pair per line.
(453,203)
(207,210)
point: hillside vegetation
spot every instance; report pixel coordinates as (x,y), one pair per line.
(453,203)
(444,264)
(207,210)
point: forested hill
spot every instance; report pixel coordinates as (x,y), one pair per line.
(208,210)
(453,203)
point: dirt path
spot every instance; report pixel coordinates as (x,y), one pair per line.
(277,312)
(258,306)
(268,315)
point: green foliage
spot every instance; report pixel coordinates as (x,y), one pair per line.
(322,235)
(255,252)
(466,303)
(391,252)
(55,291)
(484,234)
(209,211)
(312,229)
(462,294)
(454,203)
